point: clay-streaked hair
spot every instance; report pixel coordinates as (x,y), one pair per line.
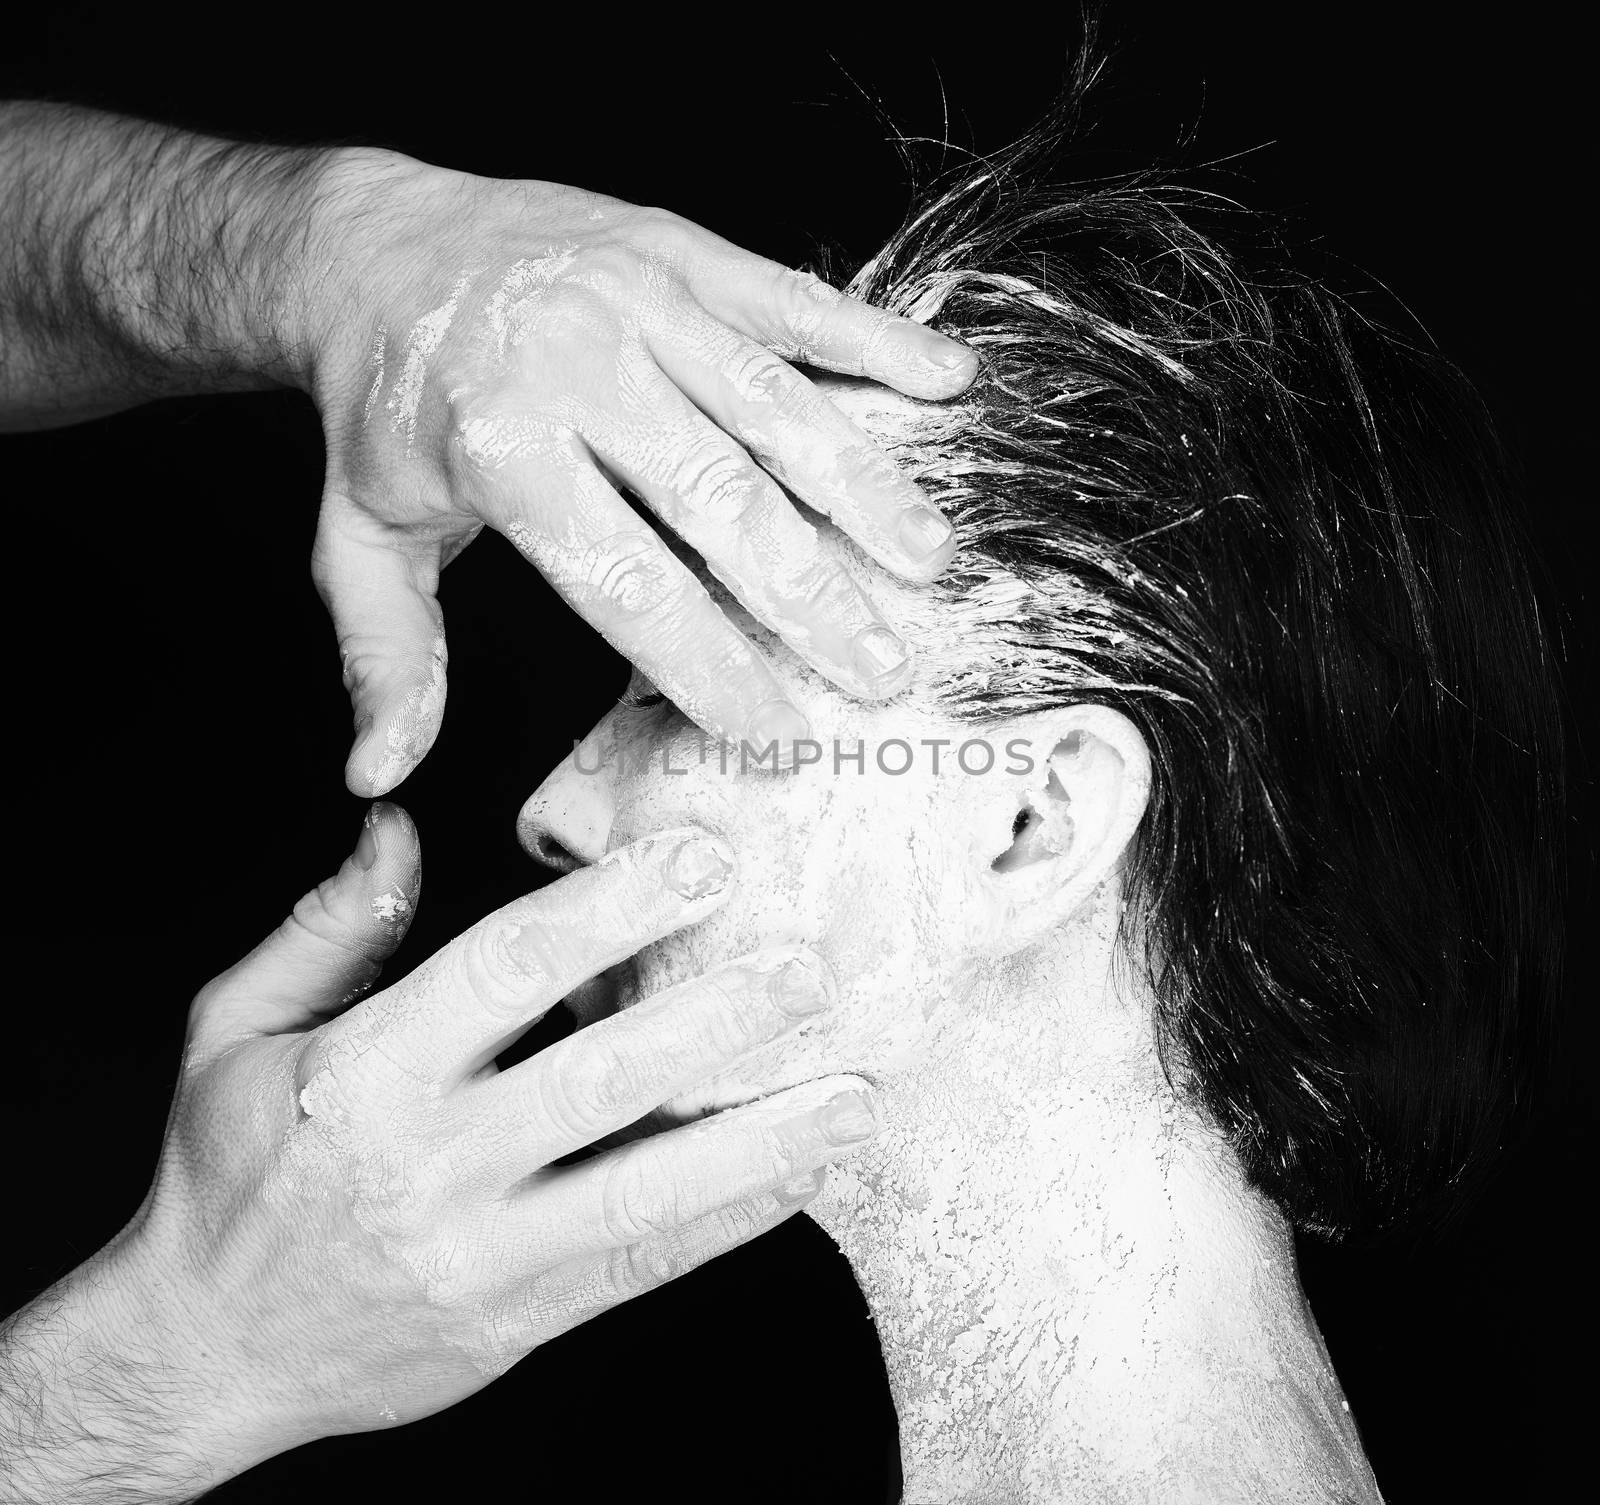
(1195,484)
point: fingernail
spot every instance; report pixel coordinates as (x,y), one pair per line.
(946,354)
(878,653)
(700,867)
(847,1118)
(935,349)
(802,987)
(778,721)
(367,847)
(800,1189)
(923,532)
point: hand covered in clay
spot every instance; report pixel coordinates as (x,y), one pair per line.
(518,354)
(358,1219)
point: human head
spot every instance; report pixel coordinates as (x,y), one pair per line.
(1195,487)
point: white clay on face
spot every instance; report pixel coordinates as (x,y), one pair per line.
(851,860)
(1071,1281)
(834,851)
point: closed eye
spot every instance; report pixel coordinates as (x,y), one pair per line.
(641,700)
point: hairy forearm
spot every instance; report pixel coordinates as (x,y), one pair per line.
(92,1410)
(138,261)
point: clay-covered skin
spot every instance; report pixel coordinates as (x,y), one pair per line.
(1076,1294)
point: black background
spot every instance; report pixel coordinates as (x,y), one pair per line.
(176,728)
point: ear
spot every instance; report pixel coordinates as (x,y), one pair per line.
(1078,795)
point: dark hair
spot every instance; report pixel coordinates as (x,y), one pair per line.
(1195,484)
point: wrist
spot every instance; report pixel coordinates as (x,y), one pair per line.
(363,205)
(98,1402)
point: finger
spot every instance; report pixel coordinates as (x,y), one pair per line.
(805,441)
(647,1189)
(802,318)
(562,1300)
(391,644)
(454,1012)
(606,1076)
(330,949)
(720,502)
(618,575)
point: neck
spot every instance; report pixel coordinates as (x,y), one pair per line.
(1076,1293)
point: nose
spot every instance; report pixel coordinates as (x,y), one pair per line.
(567,820)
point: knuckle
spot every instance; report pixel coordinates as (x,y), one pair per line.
(792,291)
(741,1221)
(483,433)
(663,229)
(795,403)
(617,1278)
(354,1081)
(876,333)
(591,1086)
(667,246)
(332,1087)
(866,467)
(467,406)
(609,267)
(313,917)
(731,1016)
(395,1200)
(787,1155)
(803,304)
(799,406)
(656,1263)
(508,962)
(611,1075)
(207,998)
(531,1312)
(570,1107)
(636,1268)
(822,588)
(446,1263)
(326,564)
(630,572)
(720,485)
(758,376)
(631,1209)
(740,673)
(506,1335)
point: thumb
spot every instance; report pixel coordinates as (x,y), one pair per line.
(329,950)
(391,643)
